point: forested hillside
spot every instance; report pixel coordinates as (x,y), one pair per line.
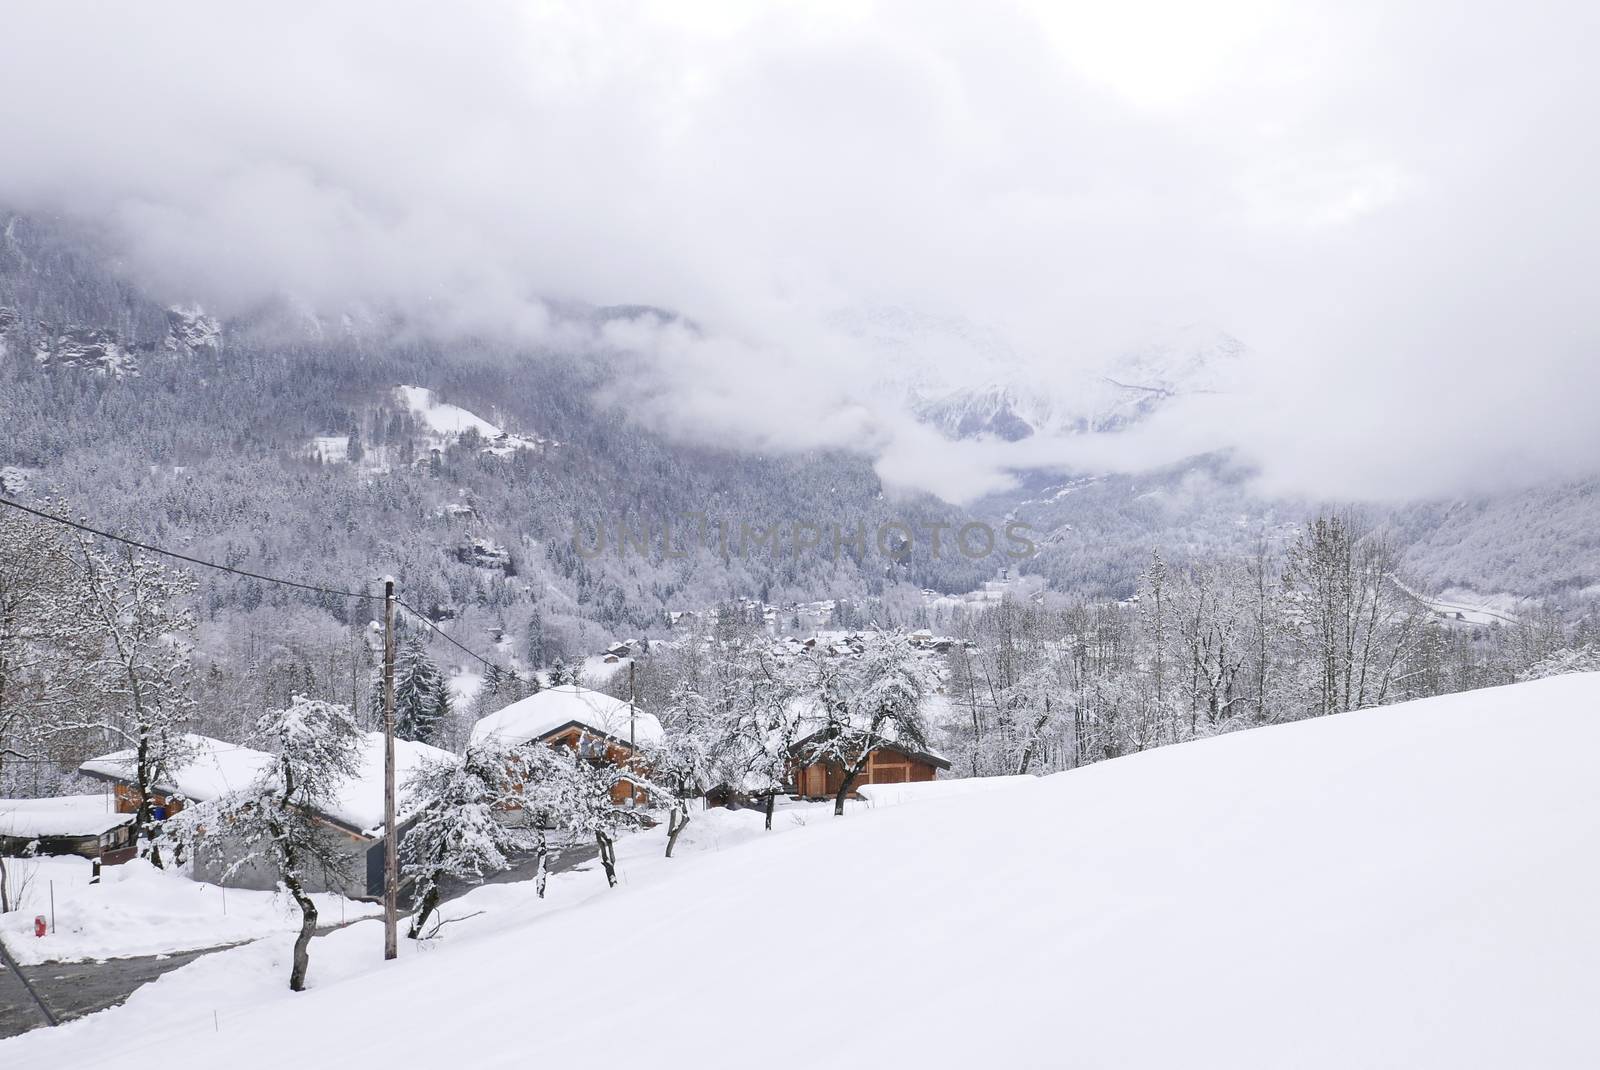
(283,444)
(207,437)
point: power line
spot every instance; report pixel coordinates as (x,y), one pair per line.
(423,617)
(185,557)
(41,514)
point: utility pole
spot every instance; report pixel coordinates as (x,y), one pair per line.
(632,788)
(391,863)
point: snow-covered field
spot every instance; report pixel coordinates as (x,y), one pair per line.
(137,909)
(448,422)
(1381,888)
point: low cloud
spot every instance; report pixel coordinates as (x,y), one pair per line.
(1393,209)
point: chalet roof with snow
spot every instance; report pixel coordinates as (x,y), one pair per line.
(554,709)
(66,815)
(215,768)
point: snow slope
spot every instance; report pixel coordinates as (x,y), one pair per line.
(1396,887)
(448,423)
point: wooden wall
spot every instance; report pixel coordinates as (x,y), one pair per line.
(821,780)
(127,797)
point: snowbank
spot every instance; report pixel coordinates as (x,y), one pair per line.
(137,909)
(1395,887)
(65,815)
(882,795)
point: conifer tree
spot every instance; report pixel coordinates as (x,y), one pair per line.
(421,694)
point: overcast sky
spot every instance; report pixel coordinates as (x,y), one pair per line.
(1392,204)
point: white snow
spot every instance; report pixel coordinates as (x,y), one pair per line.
(65,815)
(540,714)
(448,422)
(596,669)
(443,418)
(137,909)
(359,802)
(464,686)
(1466,607)
(1393,887)
(879,796)
(333,449)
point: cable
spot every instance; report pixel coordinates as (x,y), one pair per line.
(423,617)
(185,557)
(251,575)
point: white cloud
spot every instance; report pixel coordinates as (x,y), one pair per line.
(1393,206)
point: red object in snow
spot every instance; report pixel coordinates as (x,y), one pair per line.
(38,925)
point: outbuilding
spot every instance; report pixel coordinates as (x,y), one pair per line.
(88,825)
(888,763)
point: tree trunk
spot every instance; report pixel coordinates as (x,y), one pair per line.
(608,860)
(144,820)
(772,801)
(308,926)
(5,895)
(540,871)
(845,785)
(430,903)
(677,820)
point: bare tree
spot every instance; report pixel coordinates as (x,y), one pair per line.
(316,748)
(460,830)
(42,637)
(863,704)
(136,608)
(1354,623)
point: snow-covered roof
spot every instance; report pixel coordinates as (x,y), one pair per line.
(217,768)
(214,768)
(360,801)
(555,707)
(65,815)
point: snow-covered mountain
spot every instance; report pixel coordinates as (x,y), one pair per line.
(967,381)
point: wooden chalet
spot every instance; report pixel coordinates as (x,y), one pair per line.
(595,726)
(889,763)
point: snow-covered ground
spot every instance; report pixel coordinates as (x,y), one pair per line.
(449,422)
(879,796)
(1384,888)
(137,909)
